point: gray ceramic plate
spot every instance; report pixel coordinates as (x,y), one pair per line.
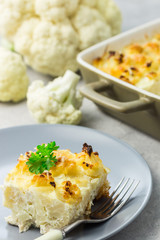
(119,157)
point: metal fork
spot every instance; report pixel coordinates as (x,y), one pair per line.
(103,212)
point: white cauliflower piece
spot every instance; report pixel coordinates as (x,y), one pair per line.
(110,14)
(57,102)
(14,13)
(56,10)
(13,78)
(85,22)
(50,33)
(54,40)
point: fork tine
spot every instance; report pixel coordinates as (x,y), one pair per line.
(109,204)
(111,210)
(110,197)
(122,188)
(115,204)
(117,187)
(111,200)
(124,202)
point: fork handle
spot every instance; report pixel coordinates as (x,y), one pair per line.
(56,234)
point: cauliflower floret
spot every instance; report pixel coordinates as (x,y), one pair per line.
(89,3)
(85,22)
(50,33)
(14,13)
(57,102)
(13,78)
(35,37)
(56,11)
(110,14)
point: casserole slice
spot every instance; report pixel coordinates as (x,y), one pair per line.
(57,197)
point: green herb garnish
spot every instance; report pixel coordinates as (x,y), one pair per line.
(43,159)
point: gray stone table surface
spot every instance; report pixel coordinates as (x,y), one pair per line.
(147,224)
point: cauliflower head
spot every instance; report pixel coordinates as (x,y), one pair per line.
(13,78)
(50,34)
(56,102)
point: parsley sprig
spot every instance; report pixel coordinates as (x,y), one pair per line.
(43,159)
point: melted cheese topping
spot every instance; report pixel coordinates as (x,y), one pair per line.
(138,64)
(58,196)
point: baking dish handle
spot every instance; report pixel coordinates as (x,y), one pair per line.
(90,92)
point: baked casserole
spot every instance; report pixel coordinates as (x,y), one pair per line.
(57,197)
(136,63)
